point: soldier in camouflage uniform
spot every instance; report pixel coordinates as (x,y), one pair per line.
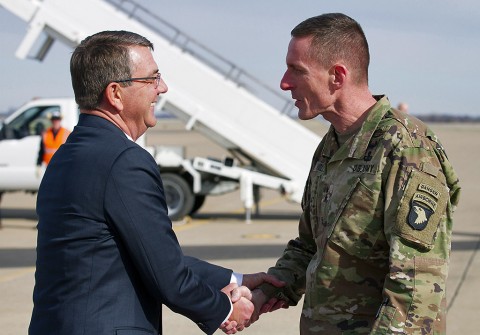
(374,237)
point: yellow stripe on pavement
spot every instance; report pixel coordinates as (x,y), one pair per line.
(16,274)
(190,225)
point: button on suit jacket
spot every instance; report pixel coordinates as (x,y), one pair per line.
(107,257)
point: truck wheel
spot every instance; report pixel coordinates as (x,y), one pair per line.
(179,196)
(199,200)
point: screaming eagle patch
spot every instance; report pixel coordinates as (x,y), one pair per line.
(421,209)
(419,215)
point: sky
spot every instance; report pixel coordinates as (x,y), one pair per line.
(425,53)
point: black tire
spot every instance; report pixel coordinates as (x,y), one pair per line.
(179,196)
(199,200)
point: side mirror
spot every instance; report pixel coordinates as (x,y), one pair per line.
(6,133)
(2,130)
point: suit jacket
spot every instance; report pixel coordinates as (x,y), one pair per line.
(107,257)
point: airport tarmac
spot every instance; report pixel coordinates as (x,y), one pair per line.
(220,234)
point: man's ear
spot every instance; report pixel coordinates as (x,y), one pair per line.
(338,75)
(113,95)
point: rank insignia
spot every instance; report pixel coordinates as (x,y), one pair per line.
(419,215)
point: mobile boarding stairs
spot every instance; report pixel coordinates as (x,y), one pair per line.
(209,93)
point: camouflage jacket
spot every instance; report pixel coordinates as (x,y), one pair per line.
(374,237)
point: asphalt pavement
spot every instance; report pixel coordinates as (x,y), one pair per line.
(220,234)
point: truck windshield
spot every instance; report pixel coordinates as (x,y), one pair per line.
(32,121)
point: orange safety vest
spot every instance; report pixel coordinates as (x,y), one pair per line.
(51,143)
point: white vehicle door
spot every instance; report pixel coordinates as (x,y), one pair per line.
(19,147)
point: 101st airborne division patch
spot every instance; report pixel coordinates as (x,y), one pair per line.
(421,209)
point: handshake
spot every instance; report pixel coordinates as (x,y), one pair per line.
(249,302)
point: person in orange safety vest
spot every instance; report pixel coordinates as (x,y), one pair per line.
(51,140)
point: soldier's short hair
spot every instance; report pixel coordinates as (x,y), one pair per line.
(337,37)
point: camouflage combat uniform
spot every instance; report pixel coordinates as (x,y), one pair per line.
(374,237)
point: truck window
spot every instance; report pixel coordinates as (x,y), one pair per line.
(33,121)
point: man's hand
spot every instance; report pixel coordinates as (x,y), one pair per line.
(254,280)
(242,312)
(242,308)
(229,327)
(263,305)
(239,292)
(241,296)
(273,304)
(259,299)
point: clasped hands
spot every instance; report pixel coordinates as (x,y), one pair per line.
(249,305)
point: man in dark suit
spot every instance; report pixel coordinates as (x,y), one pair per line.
(107,257)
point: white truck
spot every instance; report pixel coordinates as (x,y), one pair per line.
(187,181)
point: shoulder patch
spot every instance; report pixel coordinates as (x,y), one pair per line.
(429,189)
(423,198)
(421,209)
(419,215)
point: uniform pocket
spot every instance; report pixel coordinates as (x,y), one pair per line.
(429,290)
(356,228)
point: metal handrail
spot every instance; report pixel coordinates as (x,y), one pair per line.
(189,45)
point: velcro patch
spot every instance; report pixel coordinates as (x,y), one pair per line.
(419,215)
(426,200)
(429,189)
(421,209)
(319,166)
(363,168)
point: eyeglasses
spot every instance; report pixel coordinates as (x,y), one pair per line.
(150,80)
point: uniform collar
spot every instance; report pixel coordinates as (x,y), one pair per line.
(357,145)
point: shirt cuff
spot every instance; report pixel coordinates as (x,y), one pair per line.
(230,313)
(237,278)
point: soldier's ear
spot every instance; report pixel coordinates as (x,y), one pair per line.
(338,75)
